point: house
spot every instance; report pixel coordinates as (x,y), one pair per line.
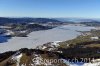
(94,38)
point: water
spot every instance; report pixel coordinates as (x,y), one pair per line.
(4,39)
(36,38)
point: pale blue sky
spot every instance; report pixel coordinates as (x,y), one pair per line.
(50,8)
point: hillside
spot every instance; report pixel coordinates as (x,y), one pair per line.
(86,46)
(26,20)
(82,47)
(92,23)
(78,48)
(30,57)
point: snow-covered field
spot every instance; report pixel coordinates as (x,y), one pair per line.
(37,38)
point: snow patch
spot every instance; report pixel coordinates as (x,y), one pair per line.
(49,46)
(55,43)
(38,60)
(44,47)
(16,57)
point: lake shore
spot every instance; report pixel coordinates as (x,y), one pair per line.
(36,38)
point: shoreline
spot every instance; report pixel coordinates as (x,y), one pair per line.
(37,38)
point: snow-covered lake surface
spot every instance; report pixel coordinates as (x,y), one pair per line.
(37,38)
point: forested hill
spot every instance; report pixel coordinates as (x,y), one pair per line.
(94,23)
(24,20)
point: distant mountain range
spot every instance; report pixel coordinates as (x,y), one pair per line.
(77,20)
(45,20)
(25,20)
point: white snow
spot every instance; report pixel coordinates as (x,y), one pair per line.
(95,62)
(23,65)
(92,64)
(55,43)
(17,58)
(38,60)
(49,46)
(94,38)
(37,38)
(44,47)
(86,64)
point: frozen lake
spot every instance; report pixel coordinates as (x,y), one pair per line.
(36,38)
